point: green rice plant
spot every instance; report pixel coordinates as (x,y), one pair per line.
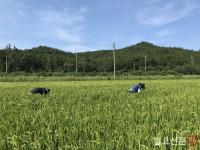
(98,114)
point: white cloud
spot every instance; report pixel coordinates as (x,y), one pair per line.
(61,24)
(21,13)
(57,17)
(11,11)
(64,25)
(153,1)
(67,36)
(156,13)
(78,48)
(165,32)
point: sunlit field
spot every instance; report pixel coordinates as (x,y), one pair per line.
(99,115)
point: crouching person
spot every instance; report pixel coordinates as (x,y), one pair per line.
(42,91)
(137,88)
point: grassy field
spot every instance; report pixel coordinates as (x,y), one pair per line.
(98,115)
(37,78)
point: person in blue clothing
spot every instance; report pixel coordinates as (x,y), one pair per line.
(137,88)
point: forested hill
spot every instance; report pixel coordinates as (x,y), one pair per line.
(159,60)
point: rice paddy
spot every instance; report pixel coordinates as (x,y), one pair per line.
(90,115)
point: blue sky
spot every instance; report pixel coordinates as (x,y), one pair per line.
(80,25)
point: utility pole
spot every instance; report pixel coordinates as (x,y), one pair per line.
(6,64)
(114,60)
(192,60)
(134,66)
(76,63)
(145,63)
(192,63)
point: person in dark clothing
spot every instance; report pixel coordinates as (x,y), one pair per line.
(137,88)
(40,91)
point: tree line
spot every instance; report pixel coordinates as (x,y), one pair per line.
(130,60)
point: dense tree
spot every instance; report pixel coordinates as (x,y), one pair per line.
(129,59)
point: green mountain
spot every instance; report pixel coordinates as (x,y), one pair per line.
(131,59)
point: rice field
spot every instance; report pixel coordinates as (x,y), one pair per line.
(98,115)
